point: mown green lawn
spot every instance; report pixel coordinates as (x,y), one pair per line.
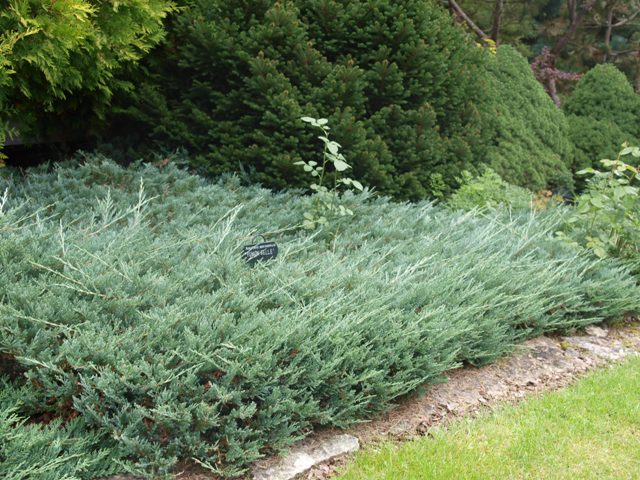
(588,431)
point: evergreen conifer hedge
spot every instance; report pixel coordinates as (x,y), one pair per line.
(398,81)
(127,304)
(62,61)
(603,112)
(530,144)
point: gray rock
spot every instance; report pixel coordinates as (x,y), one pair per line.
(609,352)
(303,458)
(596,331)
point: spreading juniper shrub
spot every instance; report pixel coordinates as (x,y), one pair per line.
(125,295)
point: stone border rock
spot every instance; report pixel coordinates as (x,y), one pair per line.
(304,457)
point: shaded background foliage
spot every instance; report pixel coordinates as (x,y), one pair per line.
(580,33)
(529,145)
(603,112)
(398,81)
(412,100)
(62,62)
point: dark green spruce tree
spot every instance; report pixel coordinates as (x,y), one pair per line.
(530,140)
(399,82)
(603,112)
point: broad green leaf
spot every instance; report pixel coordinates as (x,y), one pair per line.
(340,165)
(626,151)
(333,147)
(357,184)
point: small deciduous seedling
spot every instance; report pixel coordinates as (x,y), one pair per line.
(326,201)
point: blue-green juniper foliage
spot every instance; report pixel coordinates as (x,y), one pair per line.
(126,305)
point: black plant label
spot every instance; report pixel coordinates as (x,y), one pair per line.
(260,251)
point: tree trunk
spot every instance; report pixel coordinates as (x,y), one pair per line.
(609,31)
(576,15)
(498,9)
(553,91)
(460,13)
